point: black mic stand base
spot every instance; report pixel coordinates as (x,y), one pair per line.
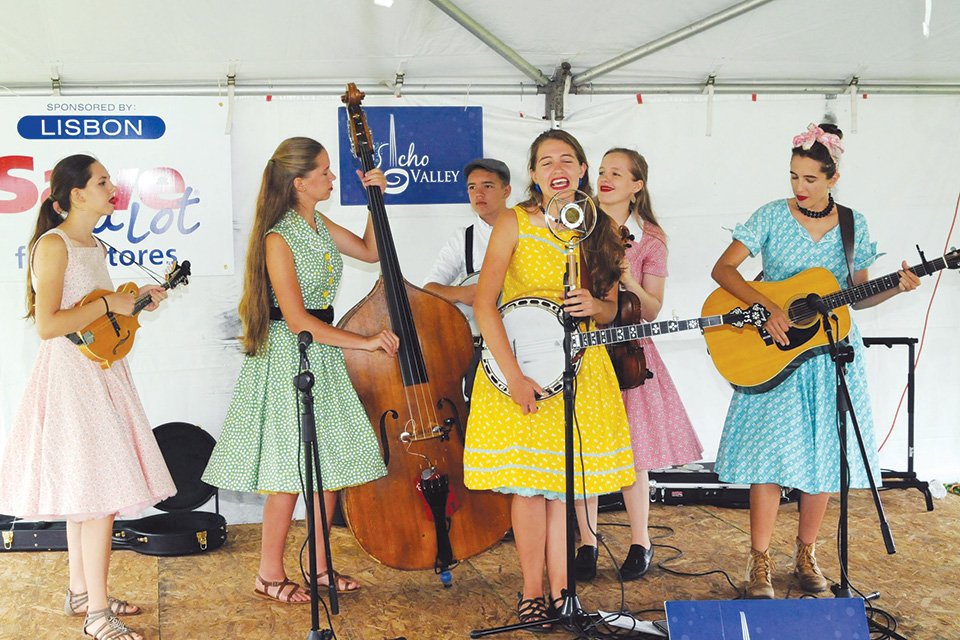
(311,458)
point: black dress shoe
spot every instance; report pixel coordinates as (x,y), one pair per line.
(637,563)
(585,566)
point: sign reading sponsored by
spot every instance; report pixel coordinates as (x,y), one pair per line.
(422,151)
(168,158)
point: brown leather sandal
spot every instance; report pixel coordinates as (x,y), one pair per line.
(279,595)
(338,577)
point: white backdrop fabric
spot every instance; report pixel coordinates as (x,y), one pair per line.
(901,170)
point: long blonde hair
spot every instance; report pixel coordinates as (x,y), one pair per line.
(294,158)
(603,249)
(72,172)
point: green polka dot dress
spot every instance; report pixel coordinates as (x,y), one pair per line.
(259,448)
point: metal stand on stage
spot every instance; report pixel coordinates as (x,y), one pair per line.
(311,460)
(842,353)
(905,479)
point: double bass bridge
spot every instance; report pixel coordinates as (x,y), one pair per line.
(414,432)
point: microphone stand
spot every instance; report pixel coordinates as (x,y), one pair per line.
(841,354)
(308,434)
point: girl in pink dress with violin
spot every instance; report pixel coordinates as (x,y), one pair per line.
(660,431)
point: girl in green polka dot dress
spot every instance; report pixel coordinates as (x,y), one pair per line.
(293,269)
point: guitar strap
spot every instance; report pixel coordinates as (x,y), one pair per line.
(468,248)
(846,236)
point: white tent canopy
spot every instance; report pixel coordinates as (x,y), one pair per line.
(307,47)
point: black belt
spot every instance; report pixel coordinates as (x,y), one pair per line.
(323,315)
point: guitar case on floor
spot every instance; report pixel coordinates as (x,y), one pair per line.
(181,531)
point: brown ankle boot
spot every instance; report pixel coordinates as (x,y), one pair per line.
(807,571)
(759,585)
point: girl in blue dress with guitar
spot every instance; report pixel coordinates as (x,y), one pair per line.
(787,436)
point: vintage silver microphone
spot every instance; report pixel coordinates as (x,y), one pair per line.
(571,217)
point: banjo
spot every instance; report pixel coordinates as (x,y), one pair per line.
(534,329)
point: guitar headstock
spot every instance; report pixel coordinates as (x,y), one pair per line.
(360,136)
(177,275)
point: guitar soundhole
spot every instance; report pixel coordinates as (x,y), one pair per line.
(800,313)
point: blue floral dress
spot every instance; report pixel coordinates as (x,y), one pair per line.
(788,436)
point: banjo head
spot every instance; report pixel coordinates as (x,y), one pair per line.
(535,331)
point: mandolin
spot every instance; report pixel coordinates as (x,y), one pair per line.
(754,363)
(110,337)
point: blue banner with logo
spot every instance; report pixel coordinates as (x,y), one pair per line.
(422,151)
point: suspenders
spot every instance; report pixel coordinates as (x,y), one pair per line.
(468,248)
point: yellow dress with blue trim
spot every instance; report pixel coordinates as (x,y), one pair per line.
(509,452)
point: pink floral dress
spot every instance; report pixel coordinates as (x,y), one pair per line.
(80,446)
(660,430)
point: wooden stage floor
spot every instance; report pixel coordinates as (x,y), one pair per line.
(210,596)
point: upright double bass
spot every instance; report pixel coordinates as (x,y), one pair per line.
(420,515)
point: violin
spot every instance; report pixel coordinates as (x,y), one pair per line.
(420,515)
(628,359)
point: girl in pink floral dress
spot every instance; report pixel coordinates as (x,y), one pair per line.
(660,431)
(80,447)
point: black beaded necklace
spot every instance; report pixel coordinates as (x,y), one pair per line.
(823,213)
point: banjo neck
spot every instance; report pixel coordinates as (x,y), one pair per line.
(613,335)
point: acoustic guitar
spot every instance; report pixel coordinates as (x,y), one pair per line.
(534,329)
(754,363)
(110,337)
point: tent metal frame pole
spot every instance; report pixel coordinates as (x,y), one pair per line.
(491,40)
(665,41)
(305,88)
(748,88)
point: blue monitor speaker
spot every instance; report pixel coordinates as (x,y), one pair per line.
(796,619)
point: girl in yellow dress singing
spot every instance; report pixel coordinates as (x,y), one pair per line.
(515,443)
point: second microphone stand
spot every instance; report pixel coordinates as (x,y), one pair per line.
(842,354)
(304,381)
